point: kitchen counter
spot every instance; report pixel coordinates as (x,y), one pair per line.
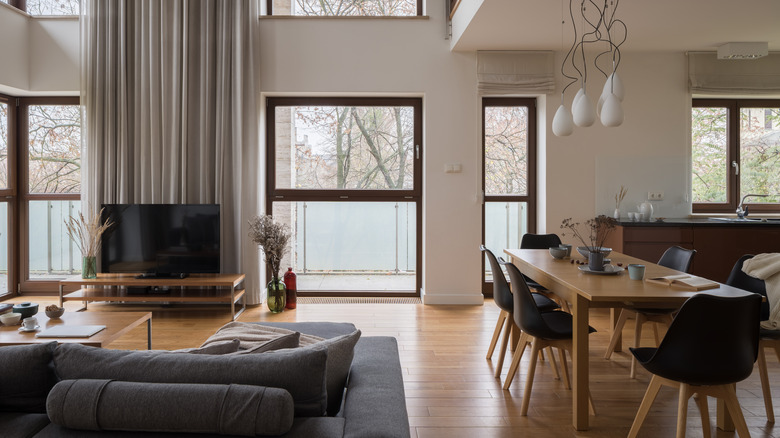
(718,244)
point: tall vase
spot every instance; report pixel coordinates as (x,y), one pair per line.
(89,267)
(276,295)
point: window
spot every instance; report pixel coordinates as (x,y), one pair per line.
(345,174)
(735,147)
(340,8)
(46,7)
(7,198)
(509,174)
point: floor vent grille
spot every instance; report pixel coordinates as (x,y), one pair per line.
(359,300)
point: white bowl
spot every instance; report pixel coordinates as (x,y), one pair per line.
(10,318)
(583,250)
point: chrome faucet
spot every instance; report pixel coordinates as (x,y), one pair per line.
(742,212)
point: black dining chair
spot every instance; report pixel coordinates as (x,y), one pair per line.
(542,330)
(502,296)
(542,241)
(711,345)
(676,258)
(767,338)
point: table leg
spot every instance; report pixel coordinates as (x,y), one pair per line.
(581,389)
(61,287)
(614,313)
(149,334)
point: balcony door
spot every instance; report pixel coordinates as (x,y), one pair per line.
(345,174)
(509,175)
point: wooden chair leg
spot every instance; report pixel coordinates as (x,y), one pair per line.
(564,305)
(682,409)
(591,405)
(765,389)
(616,332)
(730,398)
(502,353)
(644,408)
(510,375)
(529,382)
(565,368)
(496,333)
(655,334)
(704,412)
(552,362)
(640,320)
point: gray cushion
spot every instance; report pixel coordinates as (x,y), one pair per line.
(21,425)
(286,341)
(225,347)
(226,409)
(300,371)
(26,376)
(323,329)
(340,352)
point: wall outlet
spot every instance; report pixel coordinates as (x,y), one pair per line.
(655,196)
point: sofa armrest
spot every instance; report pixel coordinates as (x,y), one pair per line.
(375,405)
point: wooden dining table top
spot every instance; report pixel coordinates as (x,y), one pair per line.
(601,290)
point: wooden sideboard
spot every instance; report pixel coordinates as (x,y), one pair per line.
(718,245)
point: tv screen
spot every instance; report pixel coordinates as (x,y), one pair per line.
(163,239)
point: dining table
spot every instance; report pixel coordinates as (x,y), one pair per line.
(585,289)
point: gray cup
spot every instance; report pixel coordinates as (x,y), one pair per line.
(636,272)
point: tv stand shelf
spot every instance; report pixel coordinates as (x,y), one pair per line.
(108,287)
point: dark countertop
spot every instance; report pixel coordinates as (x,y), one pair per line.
(700,222)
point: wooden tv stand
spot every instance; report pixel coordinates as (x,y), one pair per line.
(114,288)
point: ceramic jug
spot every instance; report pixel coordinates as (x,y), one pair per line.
(646,211)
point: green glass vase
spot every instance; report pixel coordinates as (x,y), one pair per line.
(89,267)
(276,296)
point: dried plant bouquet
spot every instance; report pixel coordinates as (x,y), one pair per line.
(598,231)
(86,231)
(272,237)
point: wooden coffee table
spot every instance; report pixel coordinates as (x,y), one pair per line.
(117,324)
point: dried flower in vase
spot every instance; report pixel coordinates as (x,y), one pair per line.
(272,237)
(598,231)
(86,231)
(619,196)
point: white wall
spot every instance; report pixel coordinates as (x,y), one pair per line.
(407,57)
(648,152)
(40,55)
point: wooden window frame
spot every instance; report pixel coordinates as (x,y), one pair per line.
(274,194)
(733,106)
(270,9)
(10,195)
(24,198)
(530,197)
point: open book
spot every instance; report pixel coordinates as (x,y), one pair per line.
(684,281)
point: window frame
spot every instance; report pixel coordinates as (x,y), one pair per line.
(274,194)
(269,12)
(530,198)
(10,195)
(25,283)
(733,181)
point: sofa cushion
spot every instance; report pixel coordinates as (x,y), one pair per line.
(241,410)
(252,335)
(300,371)
(286,341)
(14,424)
(340,352)
(322,329)
(26,376)
(224,347)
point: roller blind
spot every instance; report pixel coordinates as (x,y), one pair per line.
(513,72)
(709,75)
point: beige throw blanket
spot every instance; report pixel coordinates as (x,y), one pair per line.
(767,267)
(253,335)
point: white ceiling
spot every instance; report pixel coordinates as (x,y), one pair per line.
(653,25)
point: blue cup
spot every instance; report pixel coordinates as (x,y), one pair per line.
(636,271)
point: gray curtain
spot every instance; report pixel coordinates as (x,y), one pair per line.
(170,111)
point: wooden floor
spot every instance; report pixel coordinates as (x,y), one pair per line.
(450,388)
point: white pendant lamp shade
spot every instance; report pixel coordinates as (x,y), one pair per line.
(600,104)
(583,112)
(562,124)
(580,93)
(612,112)
(615,86)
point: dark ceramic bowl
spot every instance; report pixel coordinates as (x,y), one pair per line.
(26,309)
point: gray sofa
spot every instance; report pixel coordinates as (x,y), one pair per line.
(85,388)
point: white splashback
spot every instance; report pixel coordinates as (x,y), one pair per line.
(639,175)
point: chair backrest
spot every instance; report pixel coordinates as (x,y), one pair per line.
(713,340)
(502,295)
(739,279)
(527,316)
(539,241)
(677,258)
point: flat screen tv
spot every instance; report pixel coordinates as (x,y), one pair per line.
(163,240)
